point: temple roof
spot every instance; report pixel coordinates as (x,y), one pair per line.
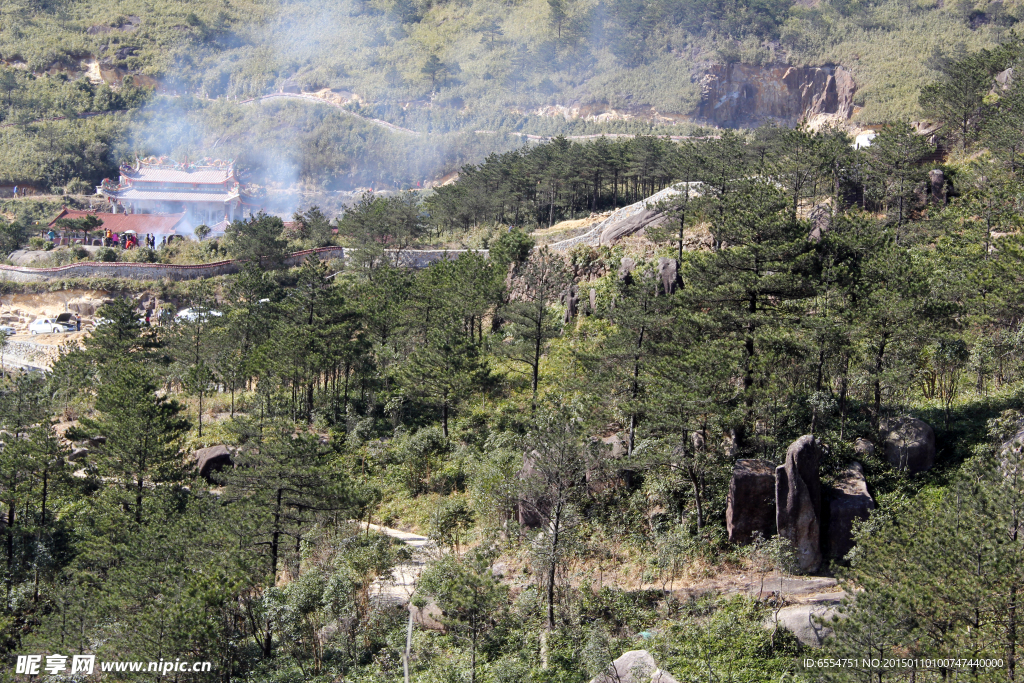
(142,223)
(198,175)
(137,194)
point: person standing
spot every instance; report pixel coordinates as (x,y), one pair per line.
(78,323)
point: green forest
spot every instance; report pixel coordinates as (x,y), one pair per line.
(562,427)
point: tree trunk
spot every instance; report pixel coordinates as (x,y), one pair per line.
(138,499)
(555,529)
(10,549)
(879,357)
(698,498)
(39,534)
(472,653)
(275,537)
(444,414)
(408,647)
(538,341)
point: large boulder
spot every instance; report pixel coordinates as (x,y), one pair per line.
(1009,455)
(668,272)
(750,506)
(808,622)
(613,467)
(798,501)
(1004,79)
(429,616)
(28,257)
(937,186)
(850,501)
(635,666)
(530,511)
(212,459)
(864,448)
(626,266)
(908,444)
(571,299)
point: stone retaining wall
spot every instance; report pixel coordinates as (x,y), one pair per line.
(160,271)
(28,353)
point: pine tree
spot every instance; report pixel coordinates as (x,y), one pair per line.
(283,484)
(764,264)
(469,596)
(530,321)
(553,473)
(957,100)
(142,431)
(257,239)
(894,168)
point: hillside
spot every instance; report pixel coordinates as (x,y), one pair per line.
(444,65)
(88,84)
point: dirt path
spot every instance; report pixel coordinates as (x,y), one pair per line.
(399,590)
(795,590)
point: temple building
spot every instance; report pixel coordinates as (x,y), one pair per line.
(207,192)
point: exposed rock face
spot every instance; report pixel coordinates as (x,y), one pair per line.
(635,666)
(734,95)
(850,501)
(629,220)
(750,506)
(1004,79)
(212,459)
(908,444)
(798,501)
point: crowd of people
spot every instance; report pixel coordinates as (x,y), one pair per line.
(130,240)
(125,240)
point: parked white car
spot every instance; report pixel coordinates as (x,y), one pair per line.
(7,330)
(191,315)
(46,326)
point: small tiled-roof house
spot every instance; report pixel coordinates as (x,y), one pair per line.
(141,223)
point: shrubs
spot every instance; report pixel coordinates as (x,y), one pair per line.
(140,255)
(78,186)
(106,255)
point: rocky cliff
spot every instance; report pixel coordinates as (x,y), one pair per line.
(734,95)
